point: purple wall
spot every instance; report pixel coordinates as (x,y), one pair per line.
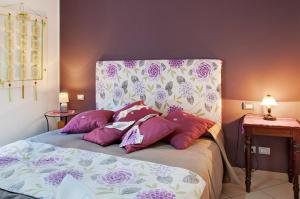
(259,42)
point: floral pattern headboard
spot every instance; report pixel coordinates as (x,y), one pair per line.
(192,85)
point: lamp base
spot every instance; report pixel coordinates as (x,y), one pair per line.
(269,117)
(63,107)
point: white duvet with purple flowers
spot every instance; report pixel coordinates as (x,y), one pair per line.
(37,169)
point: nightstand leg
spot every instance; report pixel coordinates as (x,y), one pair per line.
(66,120)
(47,122)
(291,163)
(296,152)
(296,188)
(248,162)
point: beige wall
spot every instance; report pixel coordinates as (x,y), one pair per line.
(22,118)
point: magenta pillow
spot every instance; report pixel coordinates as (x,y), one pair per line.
(88,121)
(153,130)
(135,111)
(129,106)
(189,129)
(104,136)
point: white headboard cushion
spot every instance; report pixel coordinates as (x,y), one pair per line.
(192,85)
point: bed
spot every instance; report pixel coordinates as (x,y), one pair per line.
(189,85)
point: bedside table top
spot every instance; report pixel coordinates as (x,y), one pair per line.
(258,120)
(57,113)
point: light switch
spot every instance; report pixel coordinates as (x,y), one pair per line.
(80,97)
(247,106)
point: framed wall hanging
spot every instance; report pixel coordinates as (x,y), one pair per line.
(22,44)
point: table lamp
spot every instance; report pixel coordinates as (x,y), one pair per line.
(269,101)
(63,100)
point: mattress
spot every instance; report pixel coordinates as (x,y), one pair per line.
(203,158)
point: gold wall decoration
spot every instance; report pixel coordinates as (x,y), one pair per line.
(36,53)
(22,19)
(21,56)
(9,52)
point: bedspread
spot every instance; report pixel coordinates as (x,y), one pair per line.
(37,169)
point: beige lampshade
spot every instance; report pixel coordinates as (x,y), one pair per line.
(63,97)
(269,101)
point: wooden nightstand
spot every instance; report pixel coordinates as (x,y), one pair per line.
(62,115)
(282,127)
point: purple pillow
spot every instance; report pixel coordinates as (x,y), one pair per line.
(189,129)
(110,134)
(104,136)
(152,130)
(133,112)
(141,102)
(88,121)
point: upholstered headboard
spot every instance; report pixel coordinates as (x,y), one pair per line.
(192,85)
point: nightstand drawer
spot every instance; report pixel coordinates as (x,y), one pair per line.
(271,132)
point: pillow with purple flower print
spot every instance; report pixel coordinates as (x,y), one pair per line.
(190,128)
(88,121)
(147,133)
(133,112)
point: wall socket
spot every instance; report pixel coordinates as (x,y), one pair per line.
(264,150)
(261,150)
